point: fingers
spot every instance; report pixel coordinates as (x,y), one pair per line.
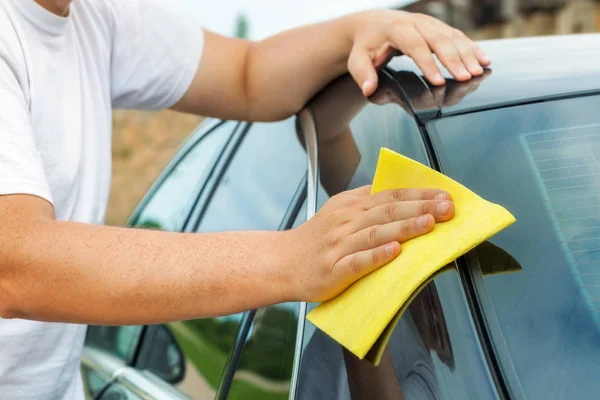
(391,212)
(445,48)
(355,266)
(408,40)
(398,231)
(396,195)
(362,70)
(459,54)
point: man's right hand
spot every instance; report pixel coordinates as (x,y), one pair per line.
(356,233)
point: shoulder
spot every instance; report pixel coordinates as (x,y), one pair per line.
(12,57)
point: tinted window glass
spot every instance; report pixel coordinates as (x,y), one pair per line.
(541,161)
(120,341)
(166,209)
(254,193)
(169,205)
(206,344)
(265,367)
(434,351)
(260,182)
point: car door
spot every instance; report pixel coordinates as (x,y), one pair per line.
(108,349)
(435,350)
(262,168)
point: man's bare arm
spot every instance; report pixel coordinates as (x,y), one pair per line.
(71,272)
(274,78)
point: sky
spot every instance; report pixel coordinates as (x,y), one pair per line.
(267,17)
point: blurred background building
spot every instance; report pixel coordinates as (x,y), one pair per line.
(145,141)
(490,19)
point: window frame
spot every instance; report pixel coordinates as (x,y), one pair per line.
(207,127)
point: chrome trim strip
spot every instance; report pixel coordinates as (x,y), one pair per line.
(309,133)
(147,386)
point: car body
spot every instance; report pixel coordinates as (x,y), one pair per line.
(525,135)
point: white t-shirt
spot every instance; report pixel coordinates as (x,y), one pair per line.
(59,79)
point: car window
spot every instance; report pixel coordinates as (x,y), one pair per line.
(260,182)
(120,341)
(434,352)
(265,367)
(254,193)
(169,205)
(166,209)
(542,162)
(93,382)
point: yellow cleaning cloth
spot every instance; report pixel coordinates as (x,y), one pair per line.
(363,317)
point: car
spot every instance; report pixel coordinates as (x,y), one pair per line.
(525,135)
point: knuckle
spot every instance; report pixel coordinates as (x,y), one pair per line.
(398,195)
(413,47)
(373,232)
(457,33)
(390,212)
(424,208)
(355,265)
(375,257)
(405,228)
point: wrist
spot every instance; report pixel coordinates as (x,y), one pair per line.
(286,266)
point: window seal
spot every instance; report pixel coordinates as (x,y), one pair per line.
(307,126)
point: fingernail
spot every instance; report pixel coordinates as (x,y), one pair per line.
(423,221)
(485,59)
(438,78)
(443,207)
(441,196)
(389,249)
(365,86)
(477,69)
(463,71)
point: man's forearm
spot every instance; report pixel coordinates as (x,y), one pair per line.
(70,272)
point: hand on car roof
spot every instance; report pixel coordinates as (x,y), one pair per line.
(378,35)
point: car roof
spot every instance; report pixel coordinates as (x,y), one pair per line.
(523,70)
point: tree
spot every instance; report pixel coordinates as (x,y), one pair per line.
(241,27)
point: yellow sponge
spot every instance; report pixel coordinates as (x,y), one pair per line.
(363,317)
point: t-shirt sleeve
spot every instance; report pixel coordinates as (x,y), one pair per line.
(21,167)
(156,52)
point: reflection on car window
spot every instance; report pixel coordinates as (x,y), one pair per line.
(434,351)
(93,382)
(120,341)
(206,344)
(260,181)
(541,161)
(265,367)
(254,193)
(165,210)
(168,207)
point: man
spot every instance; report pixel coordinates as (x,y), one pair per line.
(64,65)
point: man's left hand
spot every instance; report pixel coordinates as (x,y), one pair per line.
(376,34)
